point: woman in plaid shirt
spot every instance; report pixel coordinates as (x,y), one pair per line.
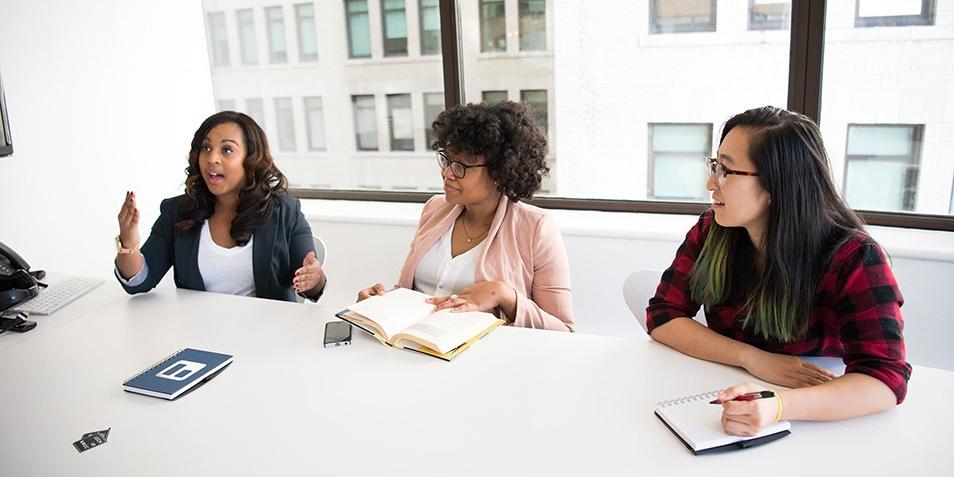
(784,268)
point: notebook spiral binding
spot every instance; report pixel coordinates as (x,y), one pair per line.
(153,365)
(691,398)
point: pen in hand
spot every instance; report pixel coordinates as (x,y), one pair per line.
(748,397)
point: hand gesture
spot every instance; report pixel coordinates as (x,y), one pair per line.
(375,290)
(483,296)
(746,418)
(788,371)
(129,222)
(309,276)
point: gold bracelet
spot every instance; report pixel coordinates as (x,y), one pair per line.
(778,399)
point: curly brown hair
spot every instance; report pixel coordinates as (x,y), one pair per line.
(506,135)
(263,181)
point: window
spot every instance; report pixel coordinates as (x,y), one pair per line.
(533,25)
(285,119)
(255,109)
(277,52)
(365,122)
(882,166)
(430,19)
(769,14)
(400,122)
(433,106)
(225,105)
(218,39)
(494,97)
(874,13)
(493,26)
(307,36)
(680,16)
(538,100)
(394,23)
(359,32)
(677,155)
(246,29)
(315,123)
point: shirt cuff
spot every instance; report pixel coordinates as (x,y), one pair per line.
(136,279)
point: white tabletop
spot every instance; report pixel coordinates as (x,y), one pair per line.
(520,402)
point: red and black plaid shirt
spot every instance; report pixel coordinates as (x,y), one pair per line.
(857,312)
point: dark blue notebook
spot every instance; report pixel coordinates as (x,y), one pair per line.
(178,373)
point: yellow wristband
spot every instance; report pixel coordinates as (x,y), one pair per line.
(778,399)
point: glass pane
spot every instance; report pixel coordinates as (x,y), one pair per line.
(770,14)
(365,123)
(315,123)
(400,122)
(307,36)
(679,16)
(256,110)
(218,39)
(395,28)
(225,105)
(359,31)
(433,105)
(277,51)
(285,119)
(246,27)
(605,77)
(430,26)
(884,127)
(533,25)
(493,26)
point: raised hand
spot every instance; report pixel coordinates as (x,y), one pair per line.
(129,222)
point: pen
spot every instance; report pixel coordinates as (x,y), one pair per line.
(748,397)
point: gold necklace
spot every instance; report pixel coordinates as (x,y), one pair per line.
(470,239)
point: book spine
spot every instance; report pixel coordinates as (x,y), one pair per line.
(153,365)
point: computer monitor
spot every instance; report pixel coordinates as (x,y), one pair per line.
(6,144)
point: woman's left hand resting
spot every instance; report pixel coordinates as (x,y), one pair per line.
(746,418)
(483,296)
(309,278)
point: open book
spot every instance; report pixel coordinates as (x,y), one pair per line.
(403,319)
(699,425)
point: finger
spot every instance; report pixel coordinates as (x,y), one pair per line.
(436,300)
(310,258)
(818,370)
(734,391)
(464,307)
(379,289)
(135,217)
(738,408)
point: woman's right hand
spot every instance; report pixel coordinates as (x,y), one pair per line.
(129,222)
(785,370)
(377,289)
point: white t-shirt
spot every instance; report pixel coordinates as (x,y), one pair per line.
(225,270)
(439,274)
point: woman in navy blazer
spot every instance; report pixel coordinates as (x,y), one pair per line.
(234,195)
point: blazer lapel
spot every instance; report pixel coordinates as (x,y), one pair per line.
(262,255)
(188,245)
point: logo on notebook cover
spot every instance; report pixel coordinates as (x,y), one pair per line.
(180,370)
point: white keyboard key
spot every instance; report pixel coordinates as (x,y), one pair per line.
(59,294)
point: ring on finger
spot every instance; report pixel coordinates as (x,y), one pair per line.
(453,297)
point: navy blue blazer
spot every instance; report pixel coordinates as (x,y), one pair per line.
(278,249)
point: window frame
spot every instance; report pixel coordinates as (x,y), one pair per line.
(423,32)
(276,57)
(926,17)
(384,30)
(912,161)
(347,19)
(299,21)
(480,19)
(652,155)
(763,25)
(804,96)
(710,26)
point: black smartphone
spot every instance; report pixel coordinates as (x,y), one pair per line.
(337,333)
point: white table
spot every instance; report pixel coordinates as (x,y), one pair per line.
(520,402)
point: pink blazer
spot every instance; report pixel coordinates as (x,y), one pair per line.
(524,248)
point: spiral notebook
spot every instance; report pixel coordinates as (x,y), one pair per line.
(699,425)
(178,373)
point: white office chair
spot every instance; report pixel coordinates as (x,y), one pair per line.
(321,251)
(639,287)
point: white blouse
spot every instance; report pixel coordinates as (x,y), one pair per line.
(439,274)
(225,270)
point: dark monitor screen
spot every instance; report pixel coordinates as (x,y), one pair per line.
(6,144)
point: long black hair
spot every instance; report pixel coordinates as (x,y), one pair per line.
(263,180)
(807,222)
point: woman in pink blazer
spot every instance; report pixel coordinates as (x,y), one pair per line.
(478,247)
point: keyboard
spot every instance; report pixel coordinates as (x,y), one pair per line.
(59,294)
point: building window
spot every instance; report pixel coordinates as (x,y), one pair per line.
(769,14)
(307,34)
(874,13)
(400,122)
(537,98)
(533,25)
(430,14)
(493,97)
(315,123)
(394,23)
(493,26)
(677,155)
(882,164)
(285,119)
(225,105)
(218,39)
(246,33)
(365,122)
(255,109)
(359,34)
(433,106)
(681,16)
(275,22)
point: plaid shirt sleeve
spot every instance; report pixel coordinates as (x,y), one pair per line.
(869,316)
(672,299)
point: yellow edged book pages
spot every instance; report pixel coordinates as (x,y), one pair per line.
(402,318)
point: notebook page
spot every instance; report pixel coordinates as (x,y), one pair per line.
(395,310)
(700,423)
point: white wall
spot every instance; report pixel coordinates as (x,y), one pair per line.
(103,97)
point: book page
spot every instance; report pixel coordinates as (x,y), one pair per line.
(395,310)
(700,423)
(445,330)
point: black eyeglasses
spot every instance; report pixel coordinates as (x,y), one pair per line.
(719,170)
(459,169)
